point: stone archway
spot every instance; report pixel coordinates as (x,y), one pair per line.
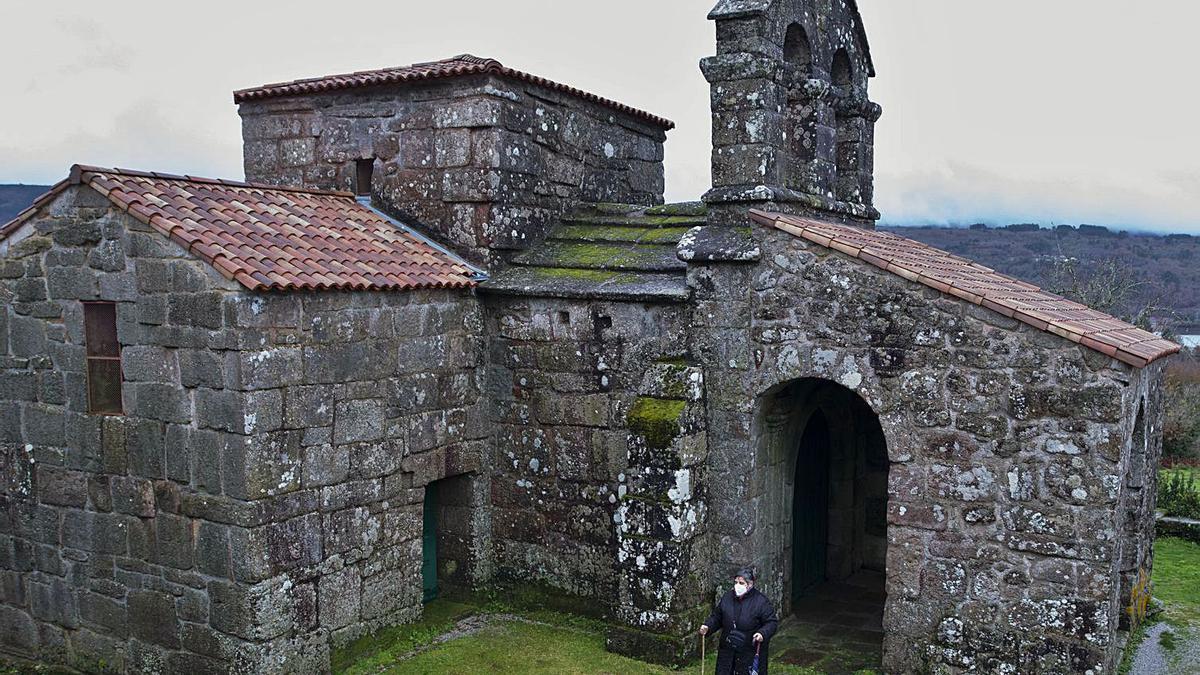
(827,487)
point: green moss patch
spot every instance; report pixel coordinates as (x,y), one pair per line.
(370,653)
(656,419)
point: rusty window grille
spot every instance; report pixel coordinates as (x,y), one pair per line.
(103,358)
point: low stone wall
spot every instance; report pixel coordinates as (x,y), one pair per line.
(1184,528)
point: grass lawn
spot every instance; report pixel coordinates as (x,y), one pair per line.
(1177,580)
(538,642)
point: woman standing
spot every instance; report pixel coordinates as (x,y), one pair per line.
(747,621)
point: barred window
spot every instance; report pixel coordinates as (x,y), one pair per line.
(103,358)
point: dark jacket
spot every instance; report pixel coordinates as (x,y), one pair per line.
(752,613)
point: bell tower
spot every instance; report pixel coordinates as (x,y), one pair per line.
(793,126)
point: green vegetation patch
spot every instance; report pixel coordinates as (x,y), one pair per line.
(664,235)
(370,653)
(1177,579)
(656,419)
(601,233)
(1179,493)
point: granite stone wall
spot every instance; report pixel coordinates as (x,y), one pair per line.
(598,455)
(260,499)
(483,163)
(793,126)
(1013,492)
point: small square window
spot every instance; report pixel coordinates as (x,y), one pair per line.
(103,358)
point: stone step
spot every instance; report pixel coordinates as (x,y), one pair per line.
(633,220)
(560,282)
(613,257)
(615,234)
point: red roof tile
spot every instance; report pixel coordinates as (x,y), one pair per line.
(980,285)
(274,238)
(457,66)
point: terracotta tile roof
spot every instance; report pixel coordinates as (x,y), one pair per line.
(982,286)
(457,66)
(274,238)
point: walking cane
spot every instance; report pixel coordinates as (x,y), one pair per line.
(702,641)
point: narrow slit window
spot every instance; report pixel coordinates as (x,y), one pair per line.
(103,358)
(362,181)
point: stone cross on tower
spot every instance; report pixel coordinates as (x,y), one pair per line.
(793,128)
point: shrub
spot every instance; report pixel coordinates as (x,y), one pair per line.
(1179,494)
(1181,430)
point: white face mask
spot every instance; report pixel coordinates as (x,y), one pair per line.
(740,589)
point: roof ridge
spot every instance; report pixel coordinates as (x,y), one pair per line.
(982,286)
(78,170)
(455,66)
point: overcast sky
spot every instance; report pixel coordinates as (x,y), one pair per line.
(1022,110)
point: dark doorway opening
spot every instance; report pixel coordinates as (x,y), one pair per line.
(448,543)
(829,467)
(810,496)
(429,558)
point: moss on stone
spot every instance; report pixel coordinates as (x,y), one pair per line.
(610,207)
(602,233)
(679,209)
(656,419)
(664,235)
(576,274)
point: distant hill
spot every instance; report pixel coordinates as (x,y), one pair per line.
(1168,264)
(16,198)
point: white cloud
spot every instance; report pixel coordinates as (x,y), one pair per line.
(1073,110)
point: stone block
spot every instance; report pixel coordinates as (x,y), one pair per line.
(213,549)
(134,496)
(162,402)
(325,465)
(142,363)
(356,421)
(340,598)
(308,407)
(294,543)
(173,535)
(106,614)
(62,487)
(203,310)
(261,466)
(18,632)
(152,618)
(145,448)
(269,368)
(200,368)
(258,612)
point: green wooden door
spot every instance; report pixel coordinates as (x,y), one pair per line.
(810,506)
(429,544)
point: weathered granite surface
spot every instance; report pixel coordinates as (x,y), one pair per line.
(615,417)
(483,163)
(793,127)
(260,501)
(1017,503)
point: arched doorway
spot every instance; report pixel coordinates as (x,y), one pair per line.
(828,475)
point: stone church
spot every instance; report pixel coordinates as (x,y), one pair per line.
(447,337)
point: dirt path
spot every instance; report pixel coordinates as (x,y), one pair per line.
(1168,650)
